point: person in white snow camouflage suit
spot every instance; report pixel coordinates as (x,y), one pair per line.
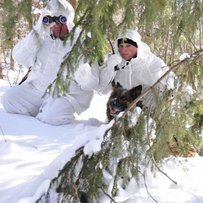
(43,50)
(134,64)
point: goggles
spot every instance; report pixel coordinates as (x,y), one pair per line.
(50,19)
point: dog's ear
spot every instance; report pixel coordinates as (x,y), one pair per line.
(113,83)
(135,91)
(118,85)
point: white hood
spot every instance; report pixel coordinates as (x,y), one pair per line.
(61,7)
(143,49)
(55,8)
(131,34)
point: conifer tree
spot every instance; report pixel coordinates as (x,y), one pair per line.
(170,28)
(16,19)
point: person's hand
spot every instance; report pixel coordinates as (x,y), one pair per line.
(87,77)
(114,60)
(59,30)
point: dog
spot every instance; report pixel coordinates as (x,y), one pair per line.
(120,99)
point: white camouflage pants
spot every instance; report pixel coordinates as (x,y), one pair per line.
(27,100)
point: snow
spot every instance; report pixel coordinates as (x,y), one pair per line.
(31,154)
(183,56)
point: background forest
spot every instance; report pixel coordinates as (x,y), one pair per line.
(174,31)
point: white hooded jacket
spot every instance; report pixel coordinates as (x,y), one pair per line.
(44,55)
(143,70)
(40,52)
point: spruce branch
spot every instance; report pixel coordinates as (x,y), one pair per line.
(55,88)
(132,106)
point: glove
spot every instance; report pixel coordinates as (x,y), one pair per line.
(24,52)
(87,77)
(114,60)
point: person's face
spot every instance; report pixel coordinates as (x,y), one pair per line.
(127,51)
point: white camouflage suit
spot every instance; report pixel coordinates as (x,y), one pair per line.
(44,55)
(145,69)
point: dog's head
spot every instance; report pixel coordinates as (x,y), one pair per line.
(120,99)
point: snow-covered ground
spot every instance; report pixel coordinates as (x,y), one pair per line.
(31,153)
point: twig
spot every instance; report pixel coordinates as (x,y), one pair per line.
(163,171)
(194,55)
(107,195)
(145,184)
(111,45)
(3,134)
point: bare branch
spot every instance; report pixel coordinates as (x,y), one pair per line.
(162,171)
(108,195)
(147,187)
(194,55)
(3,134)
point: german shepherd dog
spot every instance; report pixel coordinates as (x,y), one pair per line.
(121,98)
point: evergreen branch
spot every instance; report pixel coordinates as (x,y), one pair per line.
(162,171)
(194,55)
(68,55)
(54,88)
